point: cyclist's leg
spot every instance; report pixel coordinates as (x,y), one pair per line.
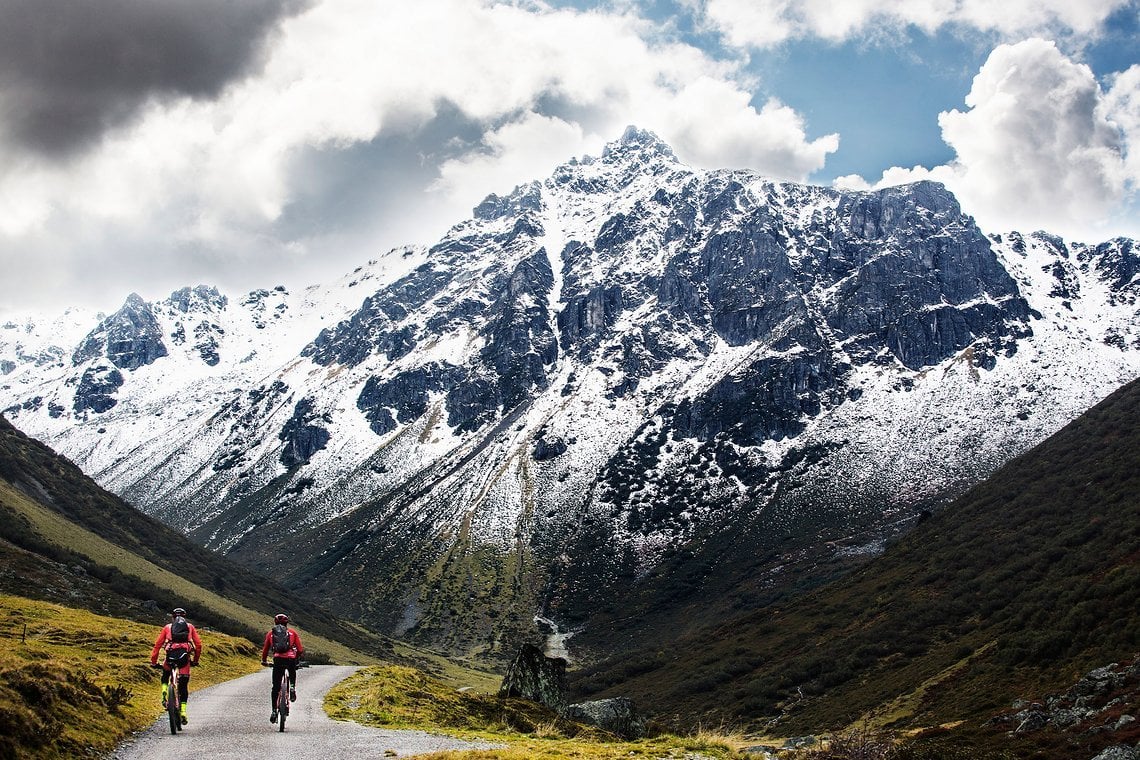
(183,694)
(278,670)
(184,688)
(165,684)
(293,679)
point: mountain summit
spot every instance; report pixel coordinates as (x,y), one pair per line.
(607,396)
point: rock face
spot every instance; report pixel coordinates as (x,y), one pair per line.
(534,676)
(97,387)
(130,338)
(1102,705)
(607,397)
(1119,752)
(303,437)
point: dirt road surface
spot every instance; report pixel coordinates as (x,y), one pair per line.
(231,720)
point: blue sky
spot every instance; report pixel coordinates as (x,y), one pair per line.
(151,144)
(884,103)
(883,97)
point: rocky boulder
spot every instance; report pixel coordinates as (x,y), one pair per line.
(548,448)
(534,676)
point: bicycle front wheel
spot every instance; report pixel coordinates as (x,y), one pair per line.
(173,709)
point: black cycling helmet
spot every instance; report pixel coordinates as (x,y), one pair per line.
(280,617)
(178,611)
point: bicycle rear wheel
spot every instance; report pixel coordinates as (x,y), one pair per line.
(283,702)
(173,708)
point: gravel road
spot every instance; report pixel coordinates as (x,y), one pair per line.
(231,720)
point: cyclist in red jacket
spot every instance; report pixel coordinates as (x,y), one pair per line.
(287,649)
(183,649)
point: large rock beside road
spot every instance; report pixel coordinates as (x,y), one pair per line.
(534,676)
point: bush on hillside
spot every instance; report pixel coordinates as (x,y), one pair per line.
(857,744)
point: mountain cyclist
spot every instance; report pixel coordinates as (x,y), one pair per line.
(287,649)
(183,649)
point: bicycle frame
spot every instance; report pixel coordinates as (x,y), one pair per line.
(283,700)
(173,701)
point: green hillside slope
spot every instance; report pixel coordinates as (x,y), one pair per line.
(73,684)
(1015,590)
(65,539)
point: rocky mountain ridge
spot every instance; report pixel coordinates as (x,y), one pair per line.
(624,387)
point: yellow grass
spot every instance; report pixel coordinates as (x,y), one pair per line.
(64,673)
(399,697)
(58,530)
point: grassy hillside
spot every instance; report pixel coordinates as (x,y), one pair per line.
(398,697)
(72,683)
(65,539)
(1015,590)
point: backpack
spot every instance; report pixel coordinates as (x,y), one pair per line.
(281,642)
(180,630)
(177,658)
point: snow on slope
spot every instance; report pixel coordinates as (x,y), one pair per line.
(659,293)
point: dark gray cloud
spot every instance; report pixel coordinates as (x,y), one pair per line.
(72,69)
(338,188)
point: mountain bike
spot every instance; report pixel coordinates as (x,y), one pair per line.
(283,691)
(173,701)
(285,694)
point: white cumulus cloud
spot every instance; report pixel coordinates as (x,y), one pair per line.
(1040,146)
(486,94)
(763,23)
(1122,106)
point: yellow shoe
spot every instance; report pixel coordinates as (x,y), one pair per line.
(164,696)
(184,718)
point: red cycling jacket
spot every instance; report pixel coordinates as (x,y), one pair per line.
(295,647)
(163,642)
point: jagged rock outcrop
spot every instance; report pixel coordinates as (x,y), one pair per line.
(1104,701)
(407,394)
(549,448)
(130,338)
(302,435)
(96,390)
(202,298)
(534,676)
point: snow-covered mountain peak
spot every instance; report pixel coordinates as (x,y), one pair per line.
(638,146)
(203,299)
(635,161)
(628,361)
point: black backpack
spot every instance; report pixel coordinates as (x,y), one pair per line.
(177,658)
(180,630)
(281,643)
